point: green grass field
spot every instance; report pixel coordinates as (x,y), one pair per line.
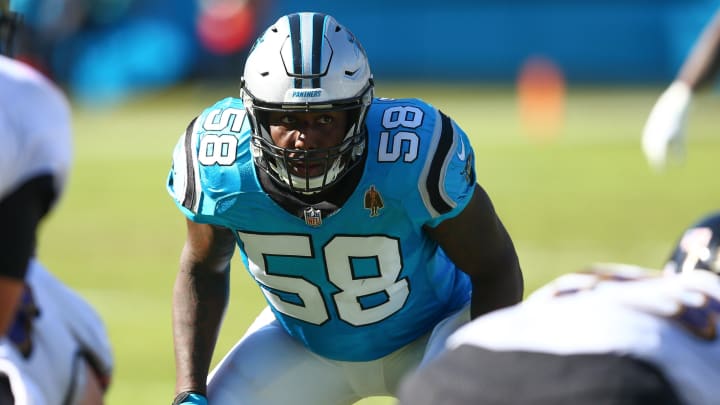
(586,196)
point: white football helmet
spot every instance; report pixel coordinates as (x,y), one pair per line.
(307,62)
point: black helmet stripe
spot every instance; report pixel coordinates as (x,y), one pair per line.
(318,33)
(294,21)
(308,49)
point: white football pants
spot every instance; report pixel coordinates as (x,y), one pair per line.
(268,367)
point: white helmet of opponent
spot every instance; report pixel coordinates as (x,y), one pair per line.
(307,62)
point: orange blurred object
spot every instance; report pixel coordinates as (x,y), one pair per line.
(541,99)
(226,26)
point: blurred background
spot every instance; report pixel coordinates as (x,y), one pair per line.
(107,50)
(553,94)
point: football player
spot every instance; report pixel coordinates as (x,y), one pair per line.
(53,345)
(663,136)
(617,334)
(359,218)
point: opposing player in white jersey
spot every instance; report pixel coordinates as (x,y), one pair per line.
(359,218)
(53,346)
(616,334)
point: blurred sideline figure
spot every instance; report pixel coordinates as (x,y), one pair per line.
(360,219)
(663,136)
(53,346)
(615,334)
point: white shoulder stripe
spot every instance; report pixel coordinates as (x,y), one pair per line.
(186,182)
(431,183)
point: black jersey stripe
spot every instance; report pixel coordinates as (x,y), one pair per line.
(296,41)
(190,192)
(433,181)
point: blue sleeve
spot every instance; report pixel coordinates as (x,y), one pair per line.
(202,175)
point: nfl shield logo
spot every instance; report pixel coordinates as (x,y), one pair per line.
(313,216)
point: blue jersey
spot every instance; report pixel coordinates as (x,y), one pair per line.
(360,283)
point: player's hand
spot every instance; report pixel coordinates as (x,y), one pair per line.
(664,132)
(190,398)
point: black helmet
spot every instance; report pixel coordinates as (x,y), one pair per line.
(698,247)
